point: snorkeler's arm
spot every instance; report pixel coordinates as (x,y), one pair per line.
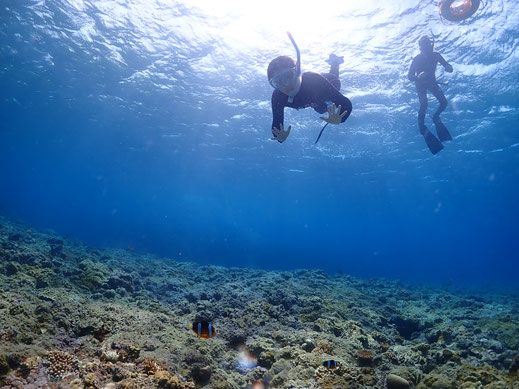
(278,109)
(445,64)
(339,99)
(411,75)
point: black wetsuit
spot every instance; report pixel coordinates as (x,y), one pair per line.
(427,64)
(316,91)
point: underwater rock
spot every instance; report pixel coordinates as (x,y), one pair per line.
(56,247)
(449,355)
(24,258)
(201,374)
(266,359)
(199,365)
(256,374)
(122,281)
(65,342)
(118,373)
(308,345)
(514,366)
(43,313)
(11,268)
(109,293)
(349,378)
(234,336)
(126,351)
(218,381)
(92,275)
(55,242)
(365,358)
(4,365)
(280,373)
(283,298)
(396,382)
(406,326)
(41,282)
(15,237)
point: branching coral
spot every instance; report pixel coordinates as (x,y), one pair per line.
(150,366)
(165,380)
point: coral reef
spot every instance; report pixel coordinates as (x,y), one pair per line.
(61,364)
(116,319)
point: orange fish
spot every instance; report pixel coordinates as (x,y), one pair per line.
(131,247)
(28,231)
(203,329)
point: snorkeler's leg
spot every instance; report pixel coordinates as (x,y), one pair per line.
(334,62)
(441,130)
(432,142)
(422,98)
(334,69)
(437,92)
(333,79)
(435,146)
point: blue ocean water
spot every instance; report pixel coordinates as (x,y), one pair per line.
(146,124)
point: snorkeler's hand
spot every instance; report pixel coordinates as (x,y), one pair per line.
(421,76)
(334,117)
(424,78)
(281,135)
(449,68)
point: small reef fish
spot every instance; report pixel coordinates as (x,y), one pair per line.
(203,329)
(131,248)
(331,364)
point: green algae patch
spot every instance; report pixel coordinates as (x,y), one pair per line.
(93,274)
(437,381)
(43,277)
(506,328)
(486,376)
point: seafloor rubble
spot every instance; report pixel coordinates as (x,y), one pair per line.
(72,316)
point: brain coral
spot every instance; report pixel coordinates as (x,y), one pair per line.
(60,364)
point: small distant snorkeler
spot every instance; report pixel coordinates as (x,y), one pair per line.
(422,72)
(301,90)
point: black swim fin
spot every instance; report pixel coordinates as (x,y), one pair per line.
(441,130)
(432,142)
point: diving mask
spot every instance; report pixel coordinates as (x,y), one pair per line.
(283,78)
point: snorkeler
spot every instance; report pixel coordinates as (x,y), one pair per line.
(422,72)
(301,90)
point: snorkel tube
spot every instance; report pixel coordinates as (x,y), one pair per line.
(433,39)
(298,64)
(433,42)
(298,71)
